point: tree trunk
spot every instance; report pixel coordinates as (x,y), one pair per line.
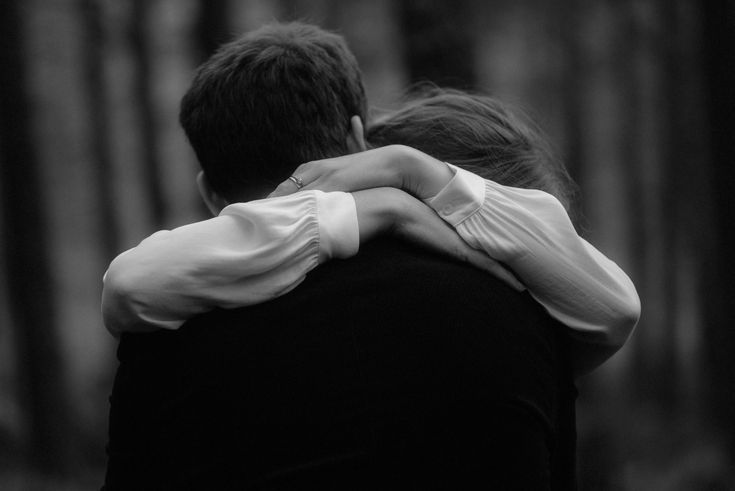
(93,48)
(652,213)
(27,260)
(568,26)
(719,40)
(438,42)
(145,104)
(212,26)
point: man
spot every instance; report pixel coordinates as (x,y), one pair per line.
(394,369)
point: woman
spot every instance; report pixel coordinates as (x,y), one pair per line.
(516,213)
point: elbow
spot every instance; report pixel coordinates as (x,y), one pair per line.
(121,302)
(626,317)
(633,311)
(113,300)
(631,308)
(119,284)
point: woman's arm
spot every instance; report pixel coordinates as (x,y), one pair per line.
(396,166)
(250,253)
(253,252)
(528,230)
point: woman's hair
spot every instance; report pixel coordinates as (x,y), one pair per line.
(479,134)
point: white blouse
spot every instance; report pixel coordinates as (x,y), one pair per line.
(250,253)
(256,251)
(530,232)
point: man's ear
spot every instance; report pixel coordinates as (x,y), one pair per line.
(214,201)
(356,137)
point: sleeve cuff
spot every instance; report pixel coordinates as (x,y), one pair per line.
(339,233)
(460,198)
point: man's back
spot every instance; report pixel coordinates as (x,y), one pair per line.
(394,369)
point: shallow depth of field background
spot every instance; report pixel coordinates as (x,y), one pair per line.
(637,96)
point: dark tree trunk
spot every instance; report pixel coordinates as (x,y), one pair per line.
(630,46)
(145,104)
(719,51)
(438,42)
(568,26)
(212,26)
(27,260)
(655,364)
(93,48)
(676,96)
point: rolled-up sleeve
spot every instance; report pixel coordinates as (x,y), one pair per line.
(530,231)
(250,253)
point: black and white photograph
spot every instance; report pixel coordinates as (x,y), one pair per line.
(367,245)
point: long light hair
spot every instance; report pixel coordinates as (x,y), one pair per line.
(478,133)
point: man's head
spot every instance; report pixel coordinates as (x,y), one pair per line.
(270,100)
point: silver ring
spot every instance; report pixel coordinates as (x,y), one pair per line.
(299,183)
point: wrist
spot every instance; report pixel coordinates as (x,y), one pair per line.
(421,175)
(379,211)
(399,167)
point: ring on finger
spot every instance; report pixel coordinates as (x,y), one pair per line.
(298,182)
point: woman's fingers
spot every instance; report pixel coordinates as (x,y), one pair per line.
(353,172)
(305,177)
(284,189)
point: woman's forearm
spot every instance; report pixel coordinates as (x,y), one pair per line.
(251,253)
(377,211)
(419,174)
(392,211)
(394,166)
(530,231)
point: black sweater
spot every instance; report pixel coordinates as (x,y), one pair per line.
(395,369)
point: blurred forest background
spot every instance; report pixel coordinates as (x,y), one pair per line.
(637,95)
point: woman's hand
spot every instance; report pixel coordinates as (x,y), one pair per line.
(389,210)
(396,166)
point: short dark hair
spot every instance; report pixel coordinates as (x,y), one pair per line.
(268,101)
(478,133)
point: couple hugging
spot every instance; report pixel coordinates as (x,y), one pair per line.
(260,350)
